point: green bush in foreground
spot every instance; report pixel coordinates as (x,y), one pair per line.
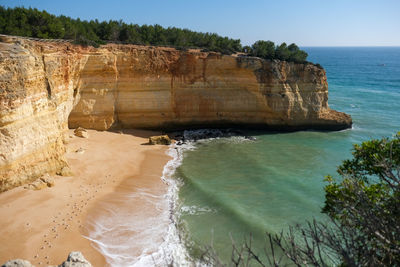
(363,209)
(366,201)
(40,24)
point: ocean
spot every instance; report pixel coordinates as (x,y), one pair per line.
(231,187)
(221,190)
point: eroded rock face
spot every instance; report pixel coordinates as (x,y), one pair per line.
(162,88)
(36,96)
(44,86)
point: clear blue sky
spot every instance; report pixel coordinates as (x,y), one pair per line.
(304,22)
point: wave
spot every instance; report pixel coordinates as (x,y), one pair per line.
(120,234)
(173,250)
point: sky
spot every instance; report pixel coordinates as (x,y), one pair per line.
(304,22)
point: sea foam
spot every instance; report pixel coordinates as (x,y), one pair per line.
(121,234)
(129,239)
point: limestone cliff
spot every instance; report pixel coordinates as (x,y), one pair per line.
(162,88)
(44,86)
(36,93)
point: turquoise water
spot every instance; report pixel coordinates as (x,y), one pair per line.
(233,186)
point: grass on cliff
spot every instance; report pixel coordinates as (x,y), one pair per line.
(31,22)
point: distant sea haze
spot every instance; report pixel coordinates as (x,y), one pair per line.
(234,186)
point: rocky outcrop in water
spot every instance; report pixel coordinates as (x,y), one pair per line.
(46,86)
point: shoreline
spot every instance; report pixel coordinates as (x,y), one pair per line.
(130,223)
(45,226)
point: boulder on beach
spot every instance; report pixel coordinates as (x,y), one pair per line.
(80,151)
(17,263)
(36,185)
(75,259)
(43,182)
(65,171)
(81,132)
(160,140)
(48,180)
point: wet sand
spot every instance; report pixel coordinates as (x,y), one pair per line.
(44,226)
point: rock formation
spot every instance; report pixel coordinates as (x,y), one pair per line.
(42,182)
(75,259)
(159,140)
(17,263)
(36,96)
(80,132)
(46,86)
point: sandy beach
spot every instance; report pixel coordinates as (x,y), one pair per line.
(43,226)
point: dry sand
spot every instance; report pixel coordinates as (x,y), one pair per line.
(44,226)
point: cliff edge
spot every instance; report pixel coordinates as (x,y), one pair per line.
(46,86)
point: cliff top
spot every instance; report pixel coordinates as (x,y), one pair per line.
(70,45)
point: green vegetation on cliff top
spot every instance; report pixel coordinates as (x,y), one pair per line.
(30,22)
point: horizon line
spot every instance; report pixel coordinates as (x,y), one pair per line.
(345,46)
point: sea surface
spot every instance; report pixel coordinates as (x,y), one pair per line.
(231,187)
(223,189)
